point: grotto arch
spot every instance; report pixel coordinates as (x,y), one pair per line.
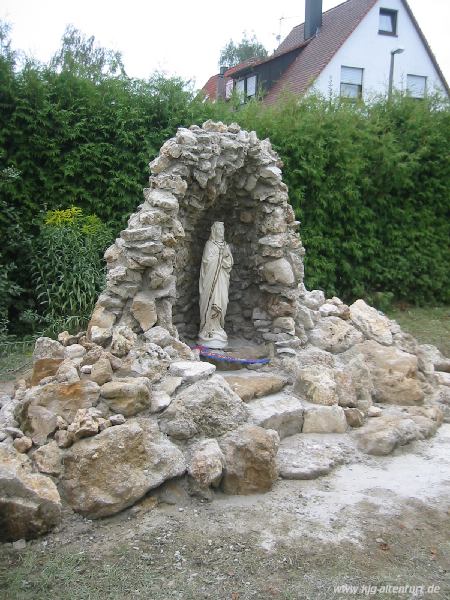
(206,174)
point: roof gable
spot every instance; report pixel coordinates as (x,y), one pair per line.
(337,25)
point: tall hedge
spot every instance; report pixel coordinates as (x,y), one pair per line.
(370,184)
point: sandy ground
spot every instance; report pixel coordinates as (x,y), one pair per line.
(378,528)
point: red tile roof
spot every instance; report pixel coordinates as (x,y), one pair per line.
(210,87)
(337,25)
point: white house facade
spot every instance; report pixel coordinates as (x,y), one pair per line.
(361,67)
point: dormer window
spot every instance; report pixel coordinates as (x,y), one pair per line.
(246,88)
(388,22)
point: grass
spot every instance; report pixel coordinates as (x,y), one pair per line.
(15,358)
(427,325)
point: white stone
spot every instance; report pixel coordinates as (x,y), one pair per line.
(325,419)
(74,351)
(317,384)
(191,371)
(279,271)
(281,412)
(371,322)
(334,335)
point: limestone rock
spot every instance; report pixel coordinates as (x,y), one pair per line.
(74,351)
(101,335)
(205,463)
(280,412)
(22,444)
(127,396)
(324,419)
(209,408)
(84,424)
(101,371)
(111,471)
(332,308)
(44,367)
(29,502)
(279,271)
(373,324)
(143,310)
(334,335)
(102,318)
(355,417)
(123,339)
(41,405)
(431,354)
(317,385)
(47,348)
(67,372)
(249,386)
(313,299)
(308,456)
(63,438)
(158,335)
(160,400)
(382,435)
(117,419)
(394,374)
(191,371)
(7,410)
(48,459)
(250,460)
(149,361)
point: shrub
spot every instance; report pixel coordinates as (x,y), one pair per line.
(68,267)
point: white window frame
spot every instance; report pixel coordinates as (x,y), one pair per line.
(250,89)
(393,15)
(411,88)
(350,80)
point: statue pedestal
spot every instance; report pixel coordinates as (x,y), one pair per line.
(217,340)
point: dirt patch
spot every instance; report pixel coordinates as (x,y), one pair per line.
(383,522)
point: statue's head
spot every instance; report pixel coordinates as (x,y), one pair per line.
(218,231)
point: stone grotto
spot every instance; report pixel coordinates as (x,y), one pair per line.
(117,413)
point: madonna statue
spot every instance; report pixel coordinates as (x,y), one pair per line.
(213,286)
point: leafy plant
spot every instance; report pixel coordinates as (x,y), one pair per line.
(68,268)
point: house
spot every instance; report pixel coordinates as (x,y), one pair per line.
(355,50)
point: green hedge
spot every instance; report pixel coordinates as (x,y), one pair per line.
(369,183)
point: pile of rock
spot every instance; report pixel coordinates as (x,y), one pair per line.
(112,413)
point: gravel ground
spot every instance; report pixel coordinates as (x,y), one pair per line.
(378,528)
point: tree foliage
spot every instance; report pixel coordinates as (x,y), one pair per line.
(80,56)
(234,53)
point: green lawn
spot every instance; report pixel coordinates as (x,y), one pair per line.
(427,325)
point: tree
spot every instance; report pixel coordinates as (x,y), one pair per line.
(232,54)
(80,56)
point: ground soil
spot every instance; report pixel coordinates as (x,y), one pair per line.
(377,523)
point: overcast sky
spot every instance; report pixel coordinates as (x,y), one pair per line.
(180,37)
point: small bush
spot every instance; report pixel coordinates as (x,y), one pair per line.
(68,268)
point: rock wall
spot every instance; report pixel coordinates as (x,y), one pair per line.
(202,175)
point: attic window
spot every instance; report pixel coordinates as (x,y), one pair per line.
(351,82)
(388,22)
(416,86)
(246,88)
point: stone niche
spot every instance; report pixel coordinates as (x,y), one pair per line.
(206,174)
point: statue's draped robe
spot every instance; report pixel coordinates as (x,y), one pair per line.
(213,286)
